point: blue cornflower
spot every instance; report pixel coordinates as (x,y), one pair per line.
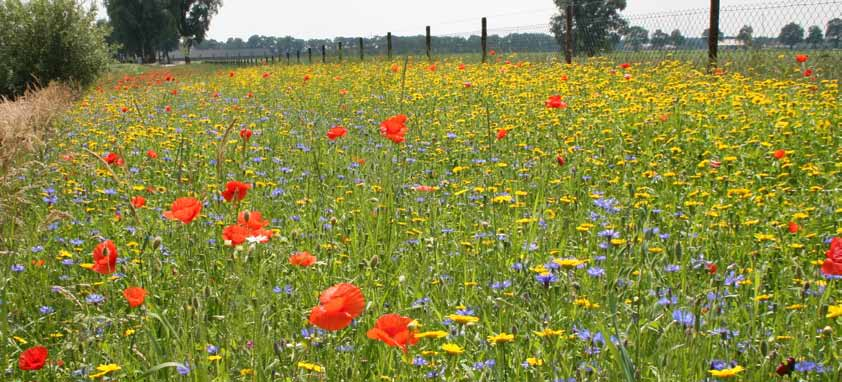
(94,298)
(683,317)
(17,268)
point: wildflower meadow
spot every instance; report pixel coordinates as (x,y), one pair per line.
(413,220)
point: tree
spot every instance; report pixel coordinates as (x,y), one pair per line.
(142,27)
(660,39)
(814,36)
(745,35)
(833,33)
(596,24)
(192,20)
(49,40)
(791,34)
(636,36)
(677,38)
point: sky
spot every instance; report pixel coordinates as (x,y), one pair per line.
(351,18)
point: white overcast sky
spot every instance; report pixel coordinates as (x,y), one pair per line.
(352,18)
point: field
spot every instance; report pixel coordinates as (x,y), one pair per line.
(528,221)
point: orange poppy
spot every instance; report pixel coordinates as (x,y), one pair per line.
(252,219)
(105,258)
(336,132)
(393,330)
(235,190)
(502,133)
(779,154)
(338,306)
(135,296)
(394,128)
(302,259)
(184,209)
(138,201)
(235,234)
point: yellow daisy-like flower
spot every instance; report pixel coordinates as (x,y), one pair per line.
(452,349)
(532,361)
(310,367)
(727,373)
(213,358)
(466,320)
(549,333)
(834,311)
(569,263)
(104,369)
(501,338)
(432,334)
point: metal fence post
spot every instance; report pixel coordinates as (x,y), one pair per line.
(484,40)
(568,35)
(713,33)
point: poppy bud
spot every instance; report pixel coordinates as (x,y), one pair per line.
(156,243)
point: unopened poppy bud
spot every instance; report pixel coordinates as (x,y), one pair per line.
(246,216)
(156,243)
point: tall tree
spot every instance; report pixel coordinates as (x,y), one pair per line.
(636,36)
(706,33)
(791,34)
(833,33)
(814,36)
(192,20)
(596,24)
(660,39)
(142,27)
(745,35)
(677,38)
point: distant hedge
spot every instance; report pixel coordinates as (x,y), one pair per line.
(48,40)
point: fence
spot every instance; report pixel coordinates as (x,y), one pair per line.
(743,35)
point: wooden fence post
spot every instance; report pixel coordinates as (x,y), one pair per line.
(361,48)
(713,33)
(568,36)
(298,56)
(323,54)
(389,45)
(429,42)
(484,39)
(340,51)
(309,55)
(287,57)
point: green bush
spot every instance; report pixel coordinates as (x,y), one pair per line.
(48,40)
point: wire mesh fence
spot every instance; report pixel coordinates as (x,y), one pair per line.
(748,36)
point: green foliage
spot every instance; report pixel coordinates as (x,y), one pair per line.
(597,25)
(745,35)
(791,34)
(192,19)
(49,40)
(677,38)
(636,36)
(142,27)
(660,39)
(814,36)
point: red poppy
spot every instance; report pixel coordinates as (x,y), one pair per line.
(715,163)
(138,201)
(832,265)
(423,188)
(105,258)
(555,102)
(151,154)
(502,133)
(792,227)
(307,77)
(174,92)
(338,306)
(230,74)
(786,367)
(265,75)
(432,67)
(394,68)
(808,72)
(394,128)
(779,154)
(468,84)
(393,330)
(492,52)
(625,65)
(711,267)
(302,259)
(343,91)
(560,160)
(33,358)
(234,235)
(168,108)
(245,134)
(113,158)
(461,67)
(336,132)
(235,190)
(801,58)
(124,109)
(251,219)
(564,77)
(184,209)
(135,296)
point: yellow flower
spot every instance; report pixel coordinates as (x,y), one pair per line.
(834,311)
(245,372)
(569,263)
(467,320)
(585,303)
(310,367)
(105,369)
(452,349)
(726,373)
(549,333)
(534,361)
(432,334)
(501,338)
(214,358)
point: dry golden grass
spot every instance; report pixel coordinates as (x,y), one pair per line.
(26,125)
